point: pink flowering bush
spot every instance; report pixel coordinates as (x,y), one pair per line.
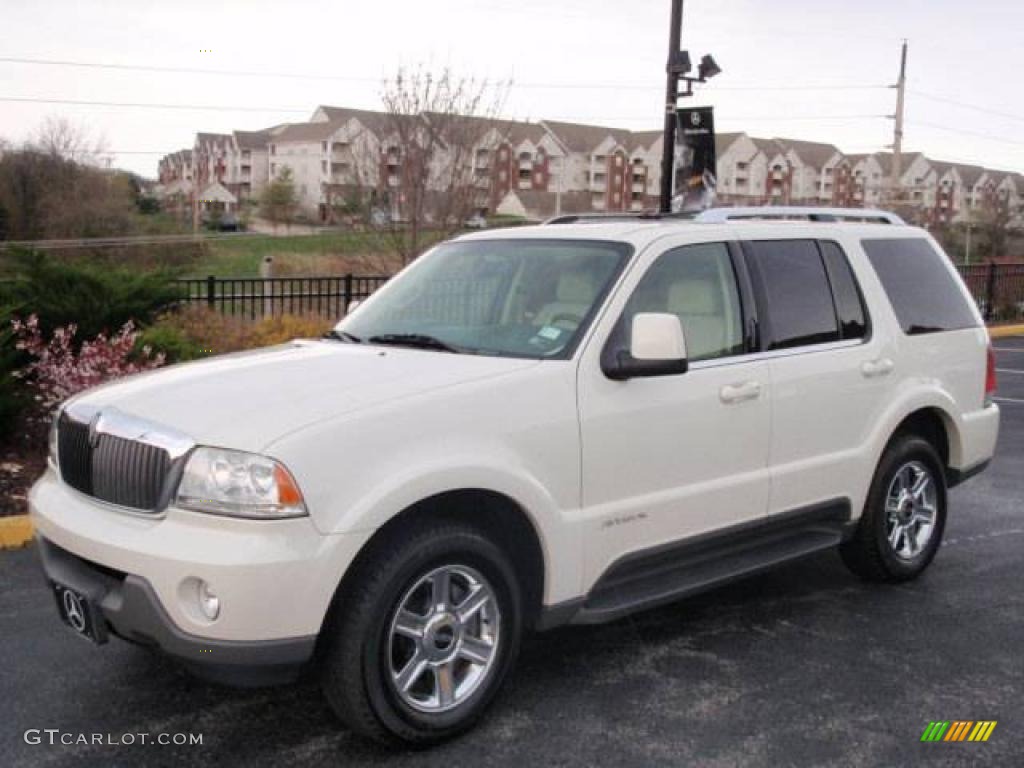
(57,371)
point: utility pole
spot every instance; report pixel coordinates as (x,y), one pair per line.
(897,142)
(671,99)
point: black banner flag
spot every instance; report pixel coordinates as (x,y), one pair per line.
(696,173)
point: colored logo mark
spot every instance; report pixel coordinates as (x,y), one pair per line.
(958,730)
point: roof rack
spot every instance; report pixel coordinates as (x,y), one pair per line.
(753,213)
(799,213)
(590,218)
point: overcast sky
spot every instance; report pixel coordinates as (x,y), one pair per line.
(806,69)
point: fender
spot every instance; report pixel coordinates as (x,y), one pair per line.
(562,576)
(906,403)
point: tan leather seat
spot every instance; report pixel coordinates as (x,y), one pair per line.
(574,295)
(697,304)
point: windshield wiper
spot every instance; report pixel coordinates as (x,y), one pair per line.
(417,340)
(345,336)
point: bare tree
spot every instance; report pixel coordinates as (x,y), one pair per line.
(58,137)
(433,126)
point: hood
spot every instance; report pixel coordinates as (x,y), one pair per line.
(249,399)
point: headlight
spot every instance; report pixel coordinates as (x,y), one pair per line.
(239,484)
(52,457)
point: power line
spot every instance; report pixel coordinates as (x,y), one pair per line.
(363,79)
(965,105)
(150,105)
(978,134)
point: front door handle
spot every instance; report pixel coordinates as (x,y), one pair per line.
(880,367)
(737,393)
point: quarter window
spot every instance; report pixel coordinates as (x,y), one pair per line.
(698,285)
(920,286)
(796,297)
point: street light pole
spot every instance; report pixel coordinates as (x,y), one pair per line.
(671,99)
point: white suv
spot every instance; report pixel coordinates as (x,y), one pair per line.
(525,428)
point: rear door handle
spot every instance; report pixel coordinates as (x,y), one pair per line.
(737,393)
(880,367)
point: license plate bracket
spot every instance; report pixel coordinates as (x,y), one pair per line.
(80,612)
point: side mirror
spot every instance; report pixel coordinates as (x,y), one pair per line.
(657,348)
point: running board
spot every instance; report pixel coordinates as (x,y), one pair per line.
(655,577)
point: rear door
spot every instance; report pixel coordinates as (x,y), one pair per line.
(831,369)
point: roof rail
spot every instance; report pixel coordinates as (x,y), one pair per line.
(721,215)
(590,218)
(799,213)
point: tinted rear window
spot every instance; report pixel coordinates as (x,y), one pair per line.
(798,299)
(923,293)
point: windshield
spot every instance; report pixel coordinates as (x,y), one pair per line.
(515,298)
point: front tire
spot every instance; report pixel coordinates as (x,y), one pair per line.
(904,516)
(423,635)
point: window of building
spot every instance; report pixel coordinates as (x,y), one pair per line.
(918,281)
(273,149)
(697,284)
(796,298)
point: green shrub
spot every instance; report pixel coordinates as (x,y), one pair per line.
(170,340)
(12,400)
(96,298)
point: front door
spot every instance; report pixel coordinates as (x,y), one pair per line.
(670,457)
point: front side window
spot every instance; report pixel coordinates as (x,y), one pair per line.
(511,298)
(922,291)
(796,296)
(697,284)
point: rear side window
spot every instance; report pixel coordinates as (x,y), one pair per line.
(849,303)
(796,294)
(923,293)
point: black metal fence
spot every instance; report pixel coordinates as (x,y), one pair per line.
(258,297)
(998,289)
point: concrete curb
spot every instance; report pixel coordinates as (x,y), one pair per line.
(1002,331)
(15,531)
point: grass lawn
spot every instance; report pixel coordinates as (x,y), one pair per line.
(328,253)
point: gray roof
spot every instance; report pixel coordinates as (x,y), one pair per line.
(252,139)
(725,140)
(577,137)
(306,132)
(812,153)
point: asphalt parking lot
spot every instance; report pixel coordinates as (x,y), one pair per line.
(803,666)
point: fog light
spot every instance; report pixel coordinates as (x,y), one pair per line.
(209,603)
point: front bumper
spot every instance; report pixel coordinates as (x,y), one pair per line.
(130,609)
(275,578)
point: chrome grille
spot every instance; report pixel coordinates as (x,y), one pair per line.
(111,468)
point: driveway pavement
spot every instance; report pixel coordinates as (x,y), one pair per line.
(804,666)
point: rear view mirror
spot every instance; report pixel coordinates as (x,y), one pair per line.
(657,348)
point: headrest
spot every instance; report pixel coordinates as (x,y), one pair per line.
(693,297)
(575,288)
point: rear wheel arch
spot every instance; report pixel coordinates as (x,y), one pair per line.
(937,427)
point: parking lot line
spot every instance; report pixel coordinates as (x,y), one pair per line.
(1008,399)
(1008,349)
(1007,370)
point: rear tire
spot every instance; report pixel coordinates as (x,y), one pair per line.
(423,635)
(904,517)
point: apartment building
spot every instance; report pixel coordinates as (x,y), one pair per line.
(343,157)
